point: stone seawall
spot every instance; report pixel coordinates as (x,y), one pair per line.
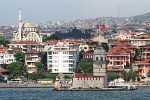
(28,85)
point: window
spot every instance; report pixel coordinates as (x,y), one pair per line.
(117,63)
(70,65)
(101,58)
(85,47)
(96,58)
(117,58)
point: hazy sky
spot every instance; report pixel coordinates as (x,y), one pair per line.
(67,10)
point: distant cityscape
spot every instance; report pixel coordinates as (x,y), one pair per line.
(60,47)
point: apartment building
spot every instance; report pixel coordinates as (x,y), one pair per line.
(63,58)
(142,67)
(120,56)
(32,56)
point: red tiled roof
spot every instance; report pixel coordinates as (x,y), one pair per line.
(117,42)
(143,37)
(88,51)
(15,48)
(51,42)
(25,42)
(146,61)
(85,75)
(3,49)
(121,49)
(2,70)
(147,45)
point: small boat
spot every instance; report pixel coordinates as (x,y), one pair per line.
(122,84)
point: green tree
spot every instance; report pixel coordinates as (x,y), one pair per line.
(86,66)
(78,70)
(81,55)
(148,74)
(131,75)
(52,37)
(44,60)
(105,46)
(137,55)
(4,41)
(41,75)
(39,66)
(33,76)
(67,77)
(15,69)
(20,57)
(1,78)
(112,76)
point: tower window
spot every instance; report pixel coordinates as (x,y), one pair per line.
(96,58)
(101,58)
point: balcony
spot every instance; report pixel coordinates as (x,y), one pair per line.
(117,68)
(31,66)
(28,58)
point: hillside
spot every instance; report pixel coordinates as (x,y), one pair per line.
(140,18)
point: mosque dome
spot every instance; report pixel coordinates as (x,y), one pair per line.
(29,26)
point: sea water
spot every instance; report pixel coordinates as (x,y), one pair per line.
(48,94)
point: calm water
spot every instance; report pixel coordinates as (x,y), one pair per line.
(48,94)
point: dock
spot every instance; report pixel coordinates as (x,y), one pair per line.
(86,89)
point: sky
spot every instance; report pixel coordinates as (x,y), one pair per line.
(43,11)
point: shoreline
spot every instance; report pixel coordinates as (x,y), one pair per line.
(37,85)
(29,85)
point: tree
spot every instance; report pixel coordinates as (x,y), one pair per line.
(137,55)
(78,70)
(86,66)
(148,74)
(44,60)
(131,75)
(15,69)
(20,57)
(39,66)
(4,41)
(52,37)
(67,77)
(1,78)
(41,75)
(112,76)
(81,55)
(105,46)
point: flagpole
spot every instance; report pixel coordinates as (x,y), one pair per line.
(99,33)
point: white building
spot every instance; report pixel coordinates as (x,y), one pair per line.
(6,55)
(62,58)
(27,31)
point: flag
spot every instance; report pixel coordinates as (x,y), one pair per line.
(102,27)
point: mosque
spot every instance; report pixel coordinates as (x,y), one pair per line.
(27,31)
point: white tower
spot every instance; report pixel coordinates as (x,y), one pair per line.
(100,63)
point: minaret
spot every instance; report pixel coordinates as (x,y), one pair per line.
(20,25)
